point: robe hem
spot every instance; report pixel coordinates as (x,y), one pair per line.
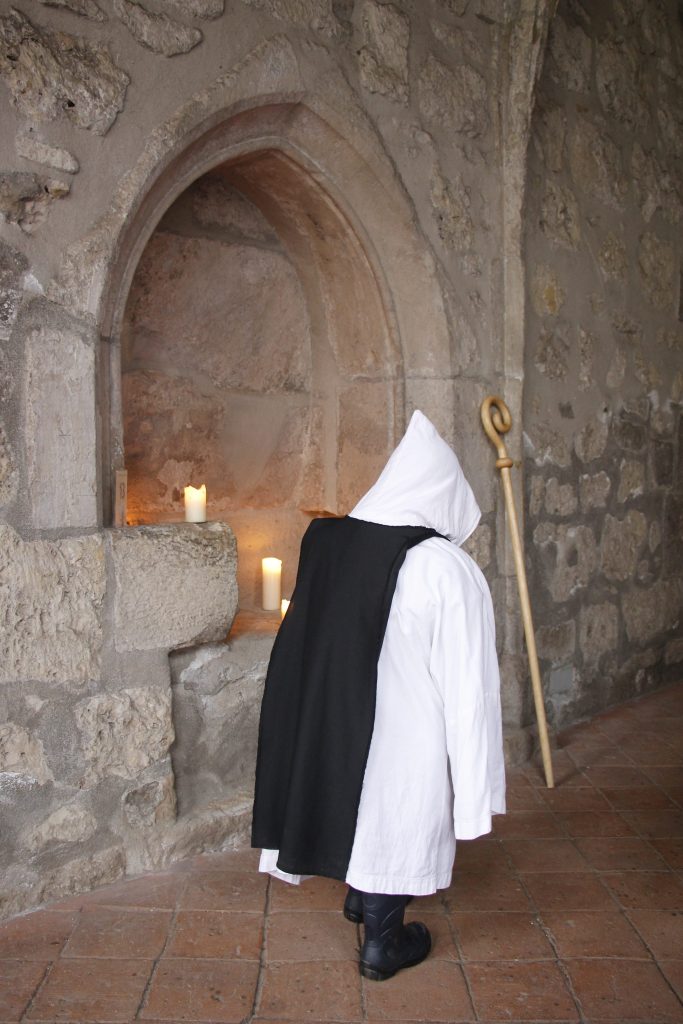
(404,885)
(400,885)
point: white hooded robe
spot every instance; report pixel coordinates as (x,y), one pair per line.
(435,769)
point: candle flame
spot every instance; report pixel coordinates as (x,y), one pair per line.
(191,492)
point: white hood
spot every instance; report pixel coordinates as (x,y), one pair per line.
(422,484)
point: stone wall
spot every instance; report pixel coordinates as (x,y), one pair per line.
(313,183)
(380,153)
(87,789)
(604,367)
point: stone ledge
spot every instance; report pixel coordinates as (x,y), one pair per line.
(176,585)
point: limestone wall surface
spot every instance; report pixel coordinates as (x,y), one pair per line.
(604,355)
(370,158)
(86,720)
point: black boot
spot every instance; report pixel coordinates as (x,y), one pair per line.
(389,944)
(353,905)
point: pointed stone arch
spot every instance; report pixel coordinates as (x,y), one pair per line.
(322,176)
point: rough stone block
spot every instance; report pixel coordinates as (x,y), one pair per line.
(156,32)
(596,163)
(22,888)
(547,296)
(60,427)
(654,186)
(629,433)
(53,74)
(556,643)
(451,202)
(383,55)
(545,445)
(454,99)
(613,258)
(51,595)
(31,148)
(70,823)
(25,199)
(621,544)
(560,219)
(86,8)
(217,701)
(598,631)
(651,611)
(552,352)
(152,803)
(631,480)
(630,329)
(223,825)
(590,442)
(576,557)
(175,585)
(21,755)
(593,490)
(123,733)
(658,262)
(617,371)
(560,499)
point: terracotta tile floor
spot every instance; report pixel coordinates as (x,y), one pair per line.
(572,910)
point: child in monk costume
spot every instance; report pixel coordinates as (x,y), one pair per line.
(380,740)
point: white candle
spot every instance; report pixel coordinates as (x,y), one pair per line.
(195,504)
(272,572)
(284,605)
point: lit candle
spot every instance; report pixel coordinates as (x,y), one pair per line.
(272,572)
(195,504)
(284,605)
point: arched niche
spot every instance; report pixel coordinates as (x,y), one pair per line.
(336,391)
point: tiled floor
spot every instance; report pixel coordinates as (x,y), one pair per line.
(571,911)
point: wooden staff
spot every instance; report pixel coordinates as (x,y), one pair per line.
(496,419)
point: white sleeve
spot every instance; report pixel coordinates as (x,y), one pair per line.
(464,667)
